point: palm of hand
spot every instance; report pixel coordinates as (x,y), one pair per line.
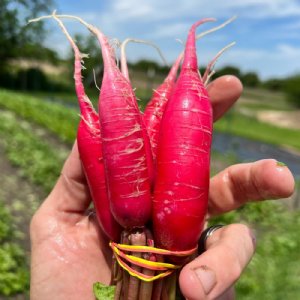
(68,250)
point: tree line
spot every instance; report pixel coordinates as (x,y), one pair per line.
(20,41)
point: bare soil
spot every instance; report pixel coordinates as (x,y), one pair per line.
(286,119)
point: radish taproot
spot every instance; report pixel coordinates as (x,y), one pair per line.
(124,67)
(89,145)
(125,72)
(156,106)
(183,158)
(123,145)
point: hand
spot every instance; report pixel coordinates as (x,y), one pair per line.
(70,253)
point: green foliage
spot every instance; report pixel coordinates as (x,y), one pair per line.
(61,120)
(292,89)
(14,35)
(102,291)
(14,275)
(228,70)
(249,127)
(38,161)
(250,79)
(274,84)
(145,66)
(32,79)
(274,271)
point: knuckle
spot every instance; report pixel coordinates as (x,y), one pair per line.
(244,233)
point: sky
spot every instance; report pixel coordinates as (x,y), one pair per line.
(266,32)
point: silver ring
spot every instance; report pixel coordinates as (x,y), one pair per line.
(205,235)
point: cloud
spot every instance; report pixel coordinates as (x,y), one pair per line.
(266,30)
(148,11)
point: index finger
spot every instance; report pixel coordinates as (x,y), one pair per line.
(224,92)
(240,183)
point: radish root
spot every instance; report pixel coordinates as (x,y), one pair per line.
(124,66)
(209,69)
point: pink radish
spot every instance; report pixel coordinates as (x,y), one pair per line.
(183,158)
(89,146)
(124,69)
(156,106)
(123,144)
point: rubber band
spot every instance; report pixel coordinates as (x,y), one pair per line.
(144,249)
(140,275)
(152,265)
(165,269)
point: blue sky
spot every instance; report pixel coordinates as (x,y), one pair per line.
(266,32)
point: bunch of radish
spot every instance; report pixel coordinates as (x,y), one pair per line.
(148,173)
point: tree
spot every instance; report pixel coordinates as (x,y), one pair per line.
(292,89)
(274,84)
(250,79)
(15,37)
(228,70)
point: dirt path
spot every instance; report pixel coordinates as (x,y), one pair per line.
(286,119)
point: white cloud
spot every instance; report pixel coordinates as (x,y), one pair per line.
(132,9)
(167,9)
(271,51)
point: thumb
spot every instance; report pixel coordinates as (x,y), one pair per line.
(213,274)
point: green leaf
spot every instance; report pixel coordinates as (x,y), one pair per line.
(102,291)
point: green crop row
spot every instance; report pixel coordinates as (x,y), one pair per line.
(241,125)
(37,160)
(14,274)
(58,119)
(273,273)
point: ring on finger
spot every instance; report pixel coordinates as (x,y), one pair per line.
(205,235)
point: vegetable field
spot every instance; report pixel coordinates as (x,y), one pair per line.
(36,137)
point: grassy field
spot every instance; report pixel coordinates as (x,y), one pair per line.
(249,127)
(36,136)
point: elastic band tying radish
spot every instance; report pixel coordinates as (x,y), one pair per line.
(165,269)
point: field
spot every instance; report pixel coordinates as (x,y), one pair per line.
(36,136)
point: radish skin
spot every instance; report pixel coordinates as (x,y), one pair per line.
(124,69)
(156,106)
(89,145)
(183,158)
(90,151)
(123,146)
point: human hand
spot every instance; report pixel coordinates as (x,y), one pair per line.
(70,253)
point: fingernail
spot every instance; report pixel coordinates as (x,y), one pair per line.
(281,164)
(207,278)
